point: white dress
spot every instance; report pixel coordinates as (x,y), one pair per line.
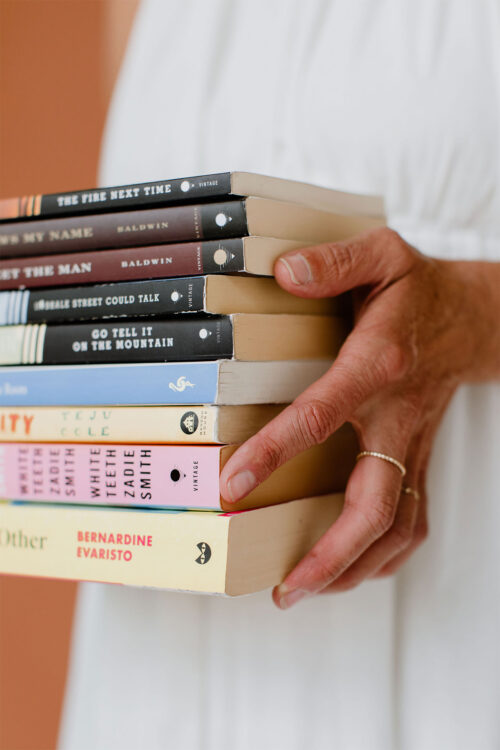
(398,97)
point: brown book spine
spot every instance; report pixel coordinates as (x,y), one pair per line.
(183,223)
(125,264)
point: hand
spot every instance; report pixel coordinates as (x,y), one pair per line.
(422,326)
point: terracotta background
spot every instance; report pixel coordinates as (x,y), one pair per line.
(58,61)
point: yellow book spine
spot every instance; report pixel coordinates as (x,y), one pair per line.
(113,424)
(165,549)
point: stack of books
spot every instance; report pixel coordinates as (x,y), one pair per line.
(141,340)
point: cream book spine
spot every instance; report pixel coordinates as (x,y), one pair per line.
(202,552)
(134,424)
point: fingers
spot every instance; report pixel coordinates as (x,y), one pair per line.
(396,541)
(419,535)
(372,258)
(366,363)
(371,502)
(421,528)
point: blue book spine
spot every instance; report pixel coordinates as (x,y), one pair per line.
(113,385)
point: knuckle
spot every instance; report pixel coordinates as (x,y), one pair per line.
(399,253)
(314,422)
(401,536)
(271,455)
(379,515)
(395,361)
(394,242)
(390,236)
(334,260)
(380,521)
(325,568)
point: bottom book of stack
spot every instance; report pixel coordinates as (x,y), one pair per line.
(198,551)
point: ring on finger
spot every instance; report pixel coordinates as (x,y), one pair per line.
(384,457)
(411,491)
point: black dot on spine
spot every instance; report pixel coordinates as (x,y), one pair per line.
(175,475)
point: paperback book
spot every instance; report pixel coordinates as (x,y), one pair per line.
(245,337)
(255,255)
(192,294)
(218,186)
(173,476)
(210,221)
(220,382)
(197,551)
(135,424)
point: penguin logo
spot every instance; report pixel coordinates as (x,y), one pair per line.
(189,422)
(205,553)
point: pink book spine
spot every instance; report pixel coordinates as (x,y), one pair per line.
(138,475)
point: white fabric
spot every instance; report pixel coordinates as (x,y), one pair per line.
(395,97)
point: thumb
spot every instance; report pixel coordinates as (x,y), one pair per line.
(373,258)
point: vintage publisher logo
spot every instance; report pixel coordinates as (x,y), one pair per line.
(221,219)
(176,475)
(181,385)
(222,256)
(189,422)
(205,553)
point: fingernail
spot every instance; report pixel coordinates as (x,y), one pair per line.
(241,484)
(298,269)
(287,599)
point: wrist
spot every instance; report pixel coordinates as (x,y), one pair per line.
(477,284)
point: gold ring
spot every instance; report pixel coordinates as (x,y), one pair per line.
(389,459)
(411,491)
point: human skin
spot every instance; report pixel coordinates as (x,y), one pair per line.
(422,327)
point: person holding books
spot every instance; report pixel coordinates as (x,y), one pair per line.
(400,99)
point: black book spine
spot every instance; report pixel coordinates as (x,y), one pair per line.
(119,198)
(127,264)
(129,299)
(184,223)
(139,341)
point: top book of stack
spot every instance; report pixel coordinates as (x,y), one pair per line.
(221,186)
(210,220)
(300,219)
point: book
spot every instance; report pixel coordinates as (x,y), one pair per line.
(175,476)
(198,551)
(210,221)
(218,186)
(192,294)
(245,337)
(220,382)
(255,255)
(131,424)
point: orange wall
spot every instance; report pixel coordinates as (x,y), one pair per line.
(57,62)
